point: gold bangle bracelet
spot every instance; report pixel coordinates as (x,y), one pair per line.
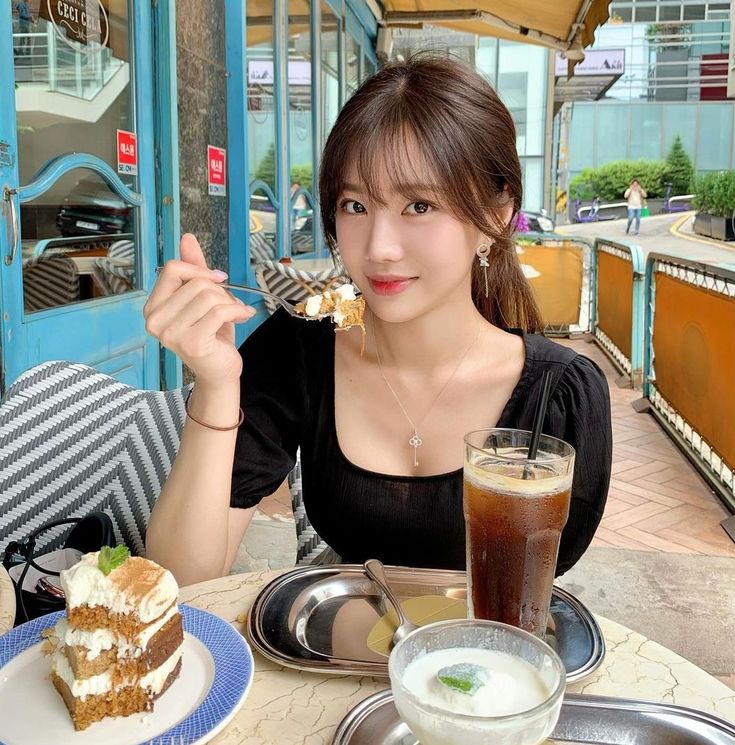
(240,420)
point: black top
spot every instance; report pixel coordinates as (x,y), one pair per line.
(287,394)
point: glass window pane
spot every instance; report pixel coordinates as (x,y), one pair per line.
(263,228)
(681,120)
(300,130)
(645,14)
(694,12)
(71,96)
(533,183)
(645,131)
(352,73)
(715,127)
(581,153)
(522,86)
(611,134)
(78,243)
(330,70)
(670,12)
(262,155)
(368,68)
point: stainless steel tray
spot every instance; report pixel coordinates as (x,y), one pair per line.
(584,720)
(318,618)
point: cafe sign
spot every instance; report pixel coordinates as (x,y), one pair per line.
(83,21)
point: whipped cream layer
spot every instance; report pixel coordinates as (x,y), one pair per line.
(512,684)
(138,587)
(102,639)
(99,684)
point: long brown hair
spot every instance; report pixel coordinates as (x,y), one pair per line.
(467,139)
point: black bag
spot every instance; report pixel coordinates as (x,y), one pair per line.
(36,591)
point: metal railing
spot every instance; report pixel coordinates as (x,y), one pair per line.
(618,305)
(40,57)
(690,363)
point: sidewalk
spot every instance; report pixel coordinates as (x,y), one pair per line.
(669,234)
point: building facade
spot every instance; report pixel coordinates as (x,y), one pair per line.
(674,84)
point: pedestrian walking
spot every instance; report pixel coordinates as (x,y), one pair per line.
(635,194)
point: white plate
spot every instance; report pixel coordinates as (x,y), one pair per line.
(216,672)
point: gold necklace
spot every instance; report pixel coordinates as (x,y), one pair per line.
(415,440)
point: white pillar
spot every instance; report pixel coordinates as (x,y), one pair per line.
(731,61)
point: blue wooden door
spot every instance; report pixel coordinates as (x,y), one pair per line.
(78,222)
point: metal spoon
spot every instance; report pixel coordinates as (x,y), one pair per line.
(376,571)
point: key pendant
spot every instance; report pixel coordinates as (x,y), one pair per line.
(415,442)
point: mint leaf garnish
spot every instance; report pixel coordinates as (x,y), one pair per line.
(111,558)
(466,677)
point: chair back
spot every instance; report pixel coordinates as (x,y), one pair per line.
(73,441)
(287,281)
(49,281)
(115,273)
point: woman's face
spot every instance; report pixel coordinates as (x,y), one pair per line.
(409,256)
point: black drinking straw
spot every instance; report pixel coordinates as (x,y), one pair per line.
(538,419)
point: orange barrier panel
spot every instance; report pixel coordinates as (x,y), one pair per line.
(694,358)
(555,270)
(615,299)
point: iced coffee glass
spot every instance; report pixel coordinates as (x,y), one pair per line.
(514,511)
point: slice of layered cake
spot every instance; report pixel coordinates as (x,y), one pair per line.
(119,647)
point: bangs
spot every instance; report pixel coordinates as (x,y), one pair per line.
(412,131)
(389,159)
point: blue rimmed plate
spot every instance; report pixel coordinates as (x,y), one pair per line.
(216,672)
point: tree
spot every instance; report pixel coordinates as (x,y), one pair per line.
(266,170)
(680,168)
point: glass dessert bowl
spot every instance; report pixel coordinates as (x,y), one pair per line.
(476,682)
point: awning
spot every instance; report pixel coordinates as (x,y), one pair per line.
(559,24)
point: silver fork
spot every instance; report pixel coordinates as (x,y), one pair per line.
(287,305)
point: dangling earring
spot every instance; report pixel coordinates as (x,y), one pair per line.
(482,253)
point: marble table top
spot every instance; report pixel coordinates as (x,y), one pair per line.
(300,708)
(7,601)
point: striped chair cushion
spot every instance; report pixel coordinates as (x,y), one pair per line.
(261,249)
(49,281)
(309,547)
(287,281)
(115,273)
(72,441)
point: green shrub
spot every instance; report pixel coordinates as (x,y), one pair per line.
(714,193)
(681,170)
(266,171)
(610,181)
(302,175)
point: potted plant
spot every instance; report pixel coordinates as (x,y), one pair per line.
(715,203)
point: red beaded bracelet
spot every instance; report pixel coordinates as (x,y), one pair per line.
(240,420)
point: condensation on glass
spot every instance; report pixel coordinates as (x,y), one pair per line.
(73,93)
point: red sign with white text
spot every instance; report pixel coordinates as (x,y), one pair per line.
(217,171)
(127,152)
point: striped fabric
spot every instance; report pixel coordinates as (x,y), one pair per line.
(261,249)
(309,546)
(115,273)
(49,281)
(73,440)
(292,283)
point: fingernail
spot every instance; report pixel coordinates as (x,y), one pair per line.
(218,275)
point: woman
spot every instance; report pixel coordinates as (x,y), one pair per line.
(419,182)
(635,194)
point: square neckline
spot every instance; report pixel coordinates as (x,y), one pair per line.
(521,386)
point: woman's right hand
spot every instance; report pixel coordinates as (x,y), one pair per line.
(190,314)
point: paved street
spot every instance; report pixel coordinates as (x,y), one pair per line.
(656,236)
